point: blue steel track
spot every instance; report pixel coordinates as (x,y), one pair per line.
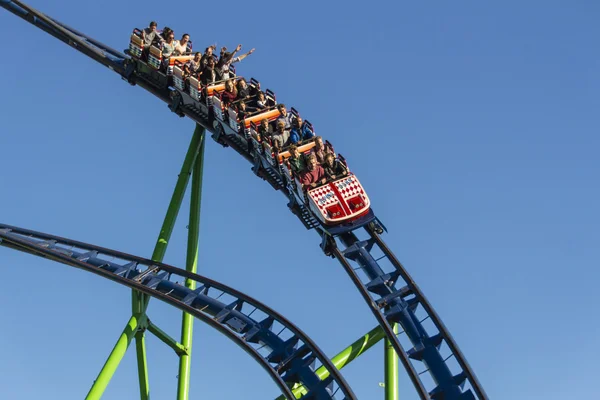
(288,355)
(384,283)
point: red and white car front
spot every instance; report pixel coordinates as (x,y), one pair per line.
(339,201)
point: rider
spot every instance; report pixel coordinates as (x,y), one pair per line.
(296,159)
(149,35)
(314,174)
(334,169)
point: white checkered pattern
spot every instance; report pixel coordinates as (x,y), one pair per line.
(323,197)
(349,187)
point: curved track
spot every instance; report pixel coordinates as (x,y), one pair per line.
(282,349)
(385,285)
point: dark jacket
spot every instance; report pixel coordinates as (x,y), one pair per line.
(338,170)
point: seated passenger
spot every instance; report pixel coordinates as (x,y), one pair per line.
(319,150)
(150,35)
(334,169)
(314,174)
(296,159)
(169,46)
(284,116)
(181,48)
(165,32)
(243,91)
(264,129)
(230,92)
(208,76)
(294,136)
(281,137)
(301,129)
(192,67)
(241,110)
(257,103)
(208,54)
(261,101)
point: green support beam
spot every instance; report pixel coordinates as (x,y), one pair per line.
(191,265)
(344,358)
(115,357)
(138,322)
(164,236)
(391,369)
(165,338)
(142,363)
(140,301)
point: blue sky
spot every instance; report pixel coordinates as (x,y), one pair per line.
(473,127)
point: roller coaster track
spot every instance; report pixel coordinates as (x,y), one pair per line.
(282,349)
(390,292)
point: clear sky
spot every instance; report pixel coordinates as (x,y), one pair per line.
(472,125)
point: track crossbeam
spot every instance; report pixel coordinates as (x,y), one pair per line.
(400,304)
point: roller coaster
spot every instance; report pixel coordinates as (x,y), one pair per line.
(294,362)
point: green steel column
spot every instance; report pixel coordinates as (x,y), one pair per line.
(139,300)
(187,322)
(346,356)
(178,194)
(142,363)
(391,369)
(182,181)
(114,358)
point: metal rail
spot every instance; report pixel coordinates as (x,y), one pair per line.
(391,305)
(433,315)
(288,355)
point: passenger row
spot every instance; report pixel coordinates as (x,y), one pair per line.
(282,135)
(316,166)
(162,50)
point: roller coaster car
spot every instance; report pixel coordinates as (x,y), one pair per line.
(339,201)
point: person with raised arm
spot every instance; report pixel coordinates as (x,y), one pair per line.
(227,58)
